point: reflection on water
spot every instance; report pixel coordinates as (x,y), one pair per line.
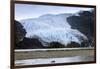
(54,60)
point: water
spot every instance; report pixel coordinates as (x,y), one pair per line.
(54,60)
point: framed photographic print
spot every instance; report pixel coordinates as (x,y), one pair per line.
(49,34)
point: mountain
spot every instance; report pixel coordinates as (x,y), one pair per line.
(84,23)
(52,28)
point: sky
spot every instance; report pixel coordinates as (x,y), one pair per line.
(24,11)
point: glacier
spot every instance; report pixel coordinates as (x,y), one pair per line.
(52,28)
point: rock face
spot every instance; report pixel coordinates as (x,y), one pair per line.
(55,45)
(29,43)
(84,23)
(21,42)
(20,32)
(73,45)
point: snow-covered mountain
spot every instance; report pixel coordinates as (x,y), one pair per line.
(52,28)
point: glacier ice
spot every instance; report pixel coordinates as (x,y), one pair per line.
(48,28)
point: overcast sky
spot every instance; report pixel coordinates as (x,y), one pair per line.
(24,11)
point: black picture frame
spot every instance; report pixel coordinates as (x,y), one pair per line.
(50,4)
